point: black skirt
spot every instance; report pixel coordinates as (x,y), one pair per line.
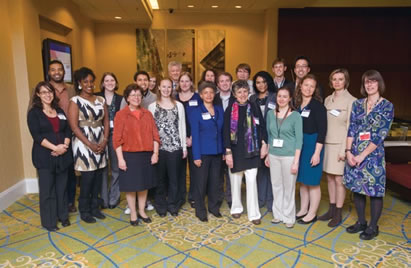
(140,174)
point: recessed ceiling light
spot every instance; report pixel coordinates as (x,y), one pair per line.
(154,4)
(214,6)
(118,17)
(238,6)
(190,6)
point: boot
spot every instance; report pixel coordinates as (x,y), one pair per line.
(336,218)
(329,214)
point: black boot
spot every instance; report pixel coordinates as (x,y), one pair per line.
(329,214)
(336,218)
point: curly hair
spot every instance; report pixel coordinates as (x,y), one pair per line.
(298,97)
(35,100)
(81,74)
(267,78)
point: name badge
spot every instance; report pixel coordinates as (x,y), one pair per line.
(206,116)
(335,112)
(365,136)
(271,105)
(61,116)
(256,120)
(305,113)
(193,103)
(111,124)
(278,143)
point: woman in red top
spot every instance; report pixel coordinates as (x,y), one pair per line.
(136,140)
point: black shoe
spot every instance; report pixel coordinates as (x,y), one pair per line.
(146,220)
(72,208)
(300,217)
(203,218)
(112,206)
(217,214)
(369,233)
(301,221)
(52,229)
(98,215)
(104,206)
(174,214)
(134,223)
(162,215)
(192,204)
(357,227)
(88,218)
(65,223)
(229,204)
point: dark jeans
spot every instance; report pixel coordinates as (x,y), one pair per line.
(169,188)
(207,182)
(90,186)
(53,197)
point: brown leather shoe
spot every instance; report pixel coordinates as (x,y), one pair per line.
(72,208)
(236,215)
(256,222)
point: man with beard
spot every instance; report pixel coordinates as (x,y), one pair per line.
(64,92)
(302,67)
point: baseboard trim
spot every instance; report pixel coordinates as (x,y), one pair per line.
(15,192)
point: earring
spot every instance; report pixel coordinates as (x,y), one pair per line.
(79,87)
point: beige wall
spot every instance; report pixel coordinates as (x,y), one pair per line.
(244,40)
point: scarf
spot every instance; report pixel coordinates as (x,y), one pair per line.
(250,135)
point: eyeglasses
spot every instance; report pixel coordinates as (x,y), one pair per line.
(370,82)
(45,93)
(135,95)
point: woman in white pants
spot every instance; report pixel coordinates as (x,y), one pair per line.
(285,139)
(244,135)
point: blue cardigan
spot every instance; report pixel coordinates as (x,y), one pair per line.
(206,131)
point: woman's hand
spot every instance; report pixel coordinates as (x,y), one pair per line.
(184,154)
(189,141)
(229,160)
(102,146)
(294,168)
(197,163)
(263,151)
(59,150)
(122,164)
(154,158)
(267,162)
(341,157)
(95,148)
(350,159)
(358,159)
(315,160)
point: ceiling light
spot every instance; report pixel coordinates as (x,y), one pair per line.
(190,6)
(238,6)
(154,4)
(214,6)
(118,17)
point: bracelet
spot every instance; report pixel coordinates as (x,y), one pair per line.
(347,150)
(228,152)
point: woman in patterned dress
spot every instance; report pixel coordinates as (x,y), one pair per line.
(364,173)
(89,122)
(170,120)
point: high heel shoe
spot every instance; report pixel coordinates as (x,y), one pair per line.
(146,220)
(134,223)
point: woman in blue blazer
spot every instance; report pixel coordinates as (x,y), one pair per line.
(51,138)
(206,122)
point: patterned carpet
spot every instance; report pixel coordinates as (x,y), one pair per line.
(184,241)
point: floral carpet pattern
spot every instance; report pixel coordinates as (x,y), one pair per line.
(184,241)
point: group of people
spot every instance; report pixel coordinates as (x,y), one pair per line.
(269,131)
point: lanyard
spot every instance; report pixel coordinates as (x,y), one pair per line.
(276,121)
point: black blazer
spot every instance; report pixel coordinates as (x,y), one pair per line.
(217,100)
(40,129)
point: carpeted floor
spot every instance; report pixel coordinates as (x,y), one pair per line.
(184,241)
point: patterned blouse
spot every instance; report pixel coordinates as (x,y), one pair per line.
(369,177)
(167,125)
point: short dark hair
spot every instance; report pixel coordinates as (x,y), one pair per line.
(267,78)
(55,62)
(130,88)
(278,60)
(372,75)
(240,84)
(224,73)
(81,74)
(303,58)
(205,85)
(104,76)
(244,66)
(140,72)
(35,99)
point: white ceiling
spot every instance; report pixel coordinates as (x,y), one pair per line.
(139,11)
